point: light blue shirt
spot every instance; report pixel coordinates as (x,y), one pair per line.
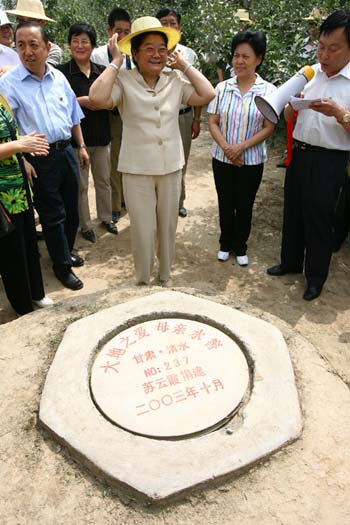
(46,106)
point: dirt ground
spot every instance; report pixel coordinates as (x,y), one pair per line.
(41,484)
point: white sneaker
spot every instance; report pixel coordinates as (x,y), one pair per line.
(223,256)
(44,302)
(242,260)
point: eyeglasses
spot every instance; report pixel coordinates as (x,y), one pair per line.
(84,42)
(150,50)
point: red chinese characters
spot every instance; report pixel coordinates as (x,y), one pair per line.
(177,396)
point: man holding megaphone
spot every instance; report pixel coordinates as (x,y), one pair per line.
(321,145)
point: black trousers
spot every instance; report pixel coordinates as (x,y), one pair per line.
(342,215)
(56,201)
(236,189)
(20,264)
(312,184)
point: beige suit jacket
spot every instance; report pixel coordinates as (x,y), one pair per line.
(151,140)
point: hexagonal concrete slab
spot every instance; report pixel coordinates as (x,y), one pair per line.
(158,469)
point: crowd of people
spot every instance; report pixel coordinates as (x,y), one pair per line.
(127,111)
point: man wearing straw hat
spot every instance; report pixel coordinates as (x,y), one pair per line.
(151,156)
(27,10)
(309,49)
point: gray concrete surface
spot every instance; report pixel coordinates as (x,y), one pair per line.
(158,469)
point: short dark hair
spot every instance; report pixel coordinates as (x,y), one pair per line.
(336,20)
(165,11)
(33,23)
(137,40)
(82,27)
(118,14)
(256,40)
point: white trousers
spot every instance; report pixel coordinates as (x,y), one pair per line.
(152,202)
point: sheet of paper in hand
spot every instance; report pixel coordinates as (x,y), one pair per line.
(302,103)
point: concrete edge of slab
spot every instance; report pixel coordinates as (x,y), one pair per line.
(157,469)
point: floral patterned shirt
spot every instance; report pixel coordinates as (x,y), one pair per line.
(12,190)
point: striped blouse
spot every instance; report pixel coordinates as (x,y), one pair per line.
(240,118)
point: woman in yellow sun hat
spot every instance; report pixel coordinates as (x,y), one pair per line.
(151,155)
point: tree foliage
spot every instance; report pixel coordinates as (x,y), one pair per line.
(207,26)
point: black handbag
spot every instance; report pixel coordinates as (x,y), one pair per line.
(6,225)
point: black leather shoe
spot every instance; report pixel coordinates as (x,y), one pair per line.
(110,227)
(77,261)
(312,292)
(182,212)
(278,270)
(89,235)
(68,278)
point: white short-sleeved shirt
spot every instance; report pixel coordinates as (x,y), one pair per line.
(8,57)
(317,129)
(100,56)
(190,56)
(151,140)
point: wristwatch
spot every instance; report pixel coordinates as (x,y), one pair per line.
(82,145)
(345,118)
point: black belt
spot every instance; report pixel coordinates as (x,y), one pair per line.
(185,110)
(60,144)
(308,147)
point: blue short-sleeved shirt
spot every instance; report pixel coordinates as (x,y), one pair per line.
(46,106)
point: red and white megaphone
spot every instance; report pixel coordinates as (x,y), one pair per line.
(272,105)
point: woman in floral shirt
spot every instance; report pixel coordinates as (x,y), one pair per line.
(19,257)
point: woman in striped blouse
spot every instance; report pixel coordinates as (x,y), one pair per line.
(239,149)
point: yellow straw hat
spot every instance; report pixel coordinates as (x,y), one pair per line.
(315,15)
(243,15)
(148,24)
(30,9)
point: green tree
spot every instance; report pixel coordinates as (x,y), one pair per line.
(207,26)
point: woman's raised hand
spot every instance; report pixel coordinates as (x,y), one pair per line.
(34,143)
(177,61)
(114,49)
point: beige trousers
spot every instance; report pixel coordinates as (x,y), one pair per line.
(185,125)
(152,202)
(116,176)
(100,169)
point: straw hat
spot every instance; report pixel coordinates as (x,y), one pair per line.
(30,9)
(4,21)
(315,15)
(243,15)
(148,24)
